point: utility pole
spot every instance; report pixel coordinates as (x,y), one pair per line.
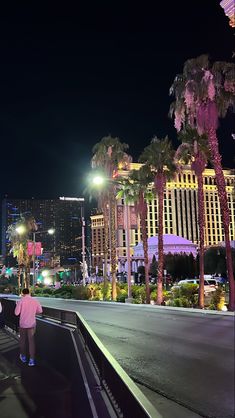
(128,255)
(83,247)
(34,243)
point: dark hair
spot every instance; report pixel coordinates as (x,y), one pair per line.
(25,291)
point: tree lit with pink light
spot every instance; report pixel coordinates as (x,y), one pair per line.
(205,92)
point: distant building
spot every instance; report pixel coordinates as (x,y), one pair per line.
(180,213)
(63,214)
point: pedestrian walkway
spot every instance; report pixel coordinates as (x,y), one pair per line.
(31,392)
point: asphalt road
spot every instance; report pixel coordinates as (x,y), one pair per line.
(188,357)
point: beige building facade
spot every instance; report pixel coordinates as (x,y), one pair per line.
(180,213)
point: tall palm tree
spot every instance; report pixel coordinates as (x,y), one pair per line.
(158,157)
(107,154)
(204,93)
(19,244)
(193,150)
(135,189)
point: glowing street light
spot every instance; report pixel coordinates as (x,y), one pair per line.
(50,231)
(45,273)
(21,229)
(99,180)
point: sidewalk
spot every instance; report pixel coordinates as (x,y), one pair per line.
(30,392)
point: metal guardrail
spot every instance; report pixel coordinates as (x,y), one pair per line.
(126,398)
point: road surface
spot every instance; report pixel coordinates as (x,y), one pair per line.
(187,357)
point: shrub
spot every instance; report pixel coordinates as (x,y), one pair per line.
(47,290)
(37,291)
(185,296)
(80,292)
(7,288)
(121,295)
(217,299)
(138,293)
(153,294)
(106,291)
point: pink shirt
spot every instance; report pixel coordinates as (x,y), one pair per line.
(27,308)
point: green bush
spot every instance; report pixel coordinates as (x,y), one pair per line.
(106,290)
(185,296)
(8,288)
(37,291)
(121,295)
(217,299)
(138,293)
(80,293)
(47,290)
(153,295)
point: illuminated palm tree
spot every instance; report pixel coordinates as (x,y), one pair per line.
(107,154)
(159,158)
(18,235)
(204,93)
(135,190)
(193,150)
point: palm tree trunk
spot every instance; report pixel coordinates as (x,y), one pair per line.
(145,248)
(113,245)
(216,160)
(27,276)
(24,277)
(160,241)
(18,279)
(201,221)
(106,244)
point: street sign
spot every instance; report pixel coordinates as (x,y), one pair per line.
(30,248)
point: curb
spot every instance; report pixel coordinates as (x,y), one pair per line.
(161,308)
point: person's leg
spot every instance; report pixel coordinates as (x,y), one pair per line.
(31,332)
(23,338)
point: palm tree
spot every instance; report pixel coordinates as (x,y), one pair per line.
(193,151)
(135,190)
(107,154)
(204,93)
(159,158)
(19,242)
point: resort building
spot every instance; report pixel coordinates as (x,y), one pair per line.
(180,213)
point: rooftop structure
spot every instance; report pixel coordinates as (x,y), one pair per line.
(171,244)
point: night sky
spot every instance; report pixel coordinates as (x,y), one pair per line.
(70,76)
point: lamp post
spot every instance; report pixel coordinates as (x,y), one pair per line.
(83,247)
(20,229)
(99,180)
(50,231)
(128,254)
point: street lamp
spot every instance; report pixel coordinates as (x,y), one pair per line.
(21,229)
(80,199)
(50,231)
(83,247)
(99,181)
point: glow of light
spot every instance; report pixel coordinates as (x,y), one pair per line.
(224,308)
(47,281)
(21,229)
(98,180)
(45,273)
(51,231)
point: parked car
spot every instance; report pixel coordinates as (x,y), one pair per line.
(210,285)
